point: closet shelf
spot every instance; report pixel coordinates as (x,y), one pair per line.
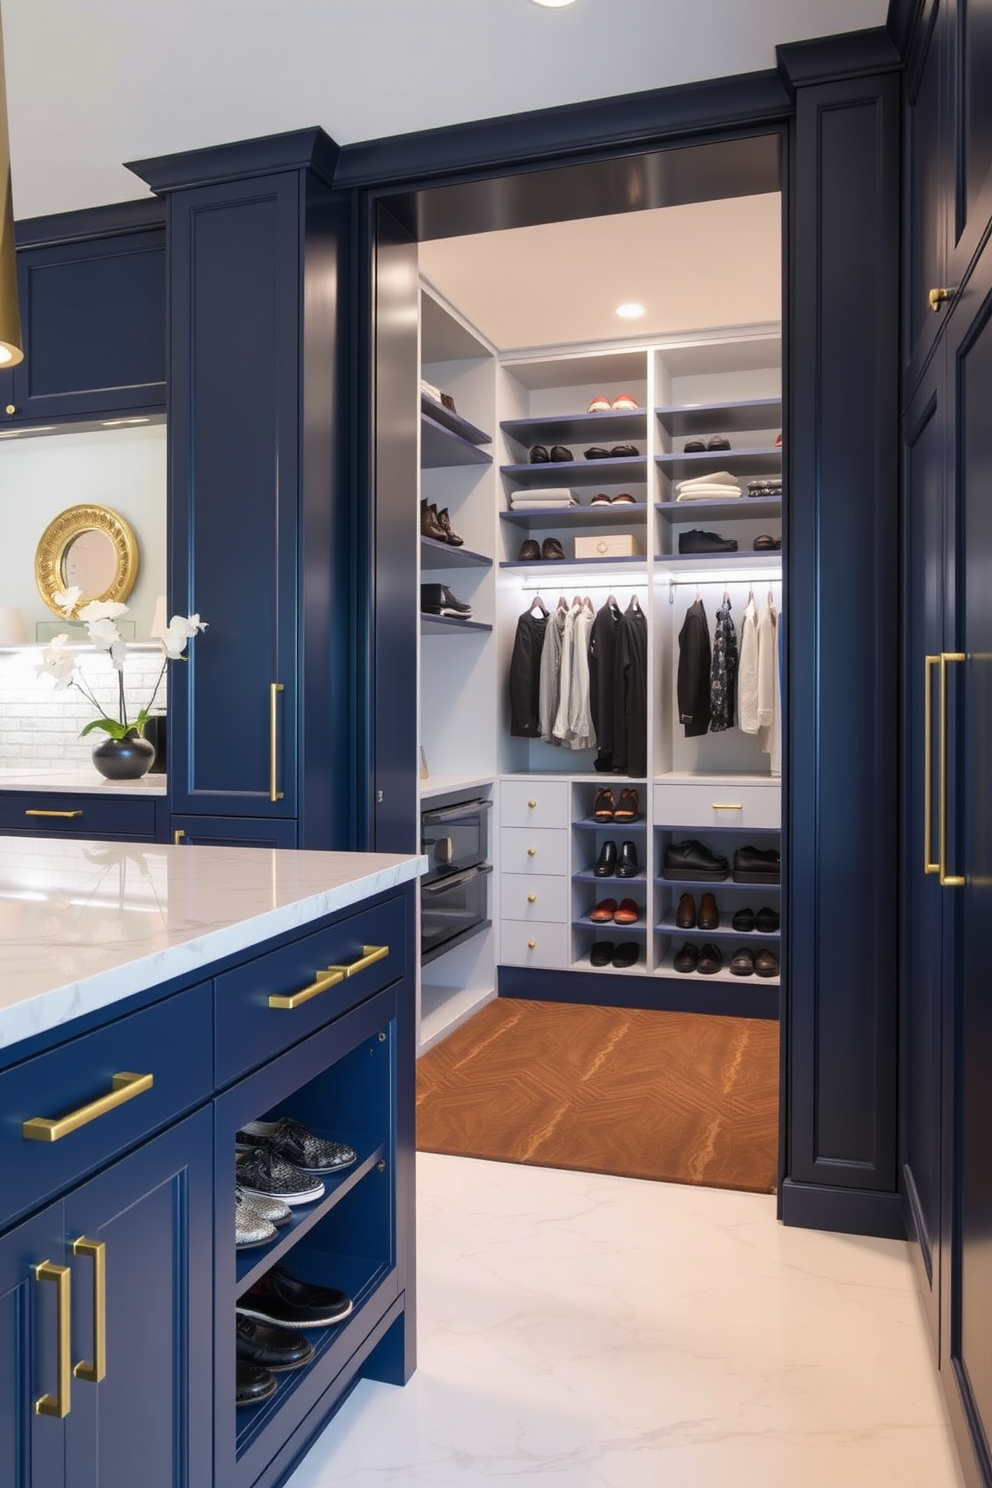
(767,564)
(721,418)
(767,461)
(732,509)
(613,884)
(596,428)
(636,970)
(610,931)
(571,564)
(717,885)
(579,516)
(586,823)
(667,926)
(450,622)
(426,957)
(442,785)
(665,968)
(452,421)
(440,448)
(582,472)
(434,554)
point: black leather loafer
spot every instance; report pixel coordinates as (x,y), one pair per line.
(601,953)
(624,452)
(596,452)
(539,455)
(766,964)
(606,864)
(685,915)
(767,921)
(743,920)
(530,551)
(710,960)
(627,954)
(560,454)
(697,541)
(757,865)
(693,862)
(252,1384)
(717,442)
(742,962)
(694,447)
(281,1299)
(277,1349)
(627,865)
(686,959)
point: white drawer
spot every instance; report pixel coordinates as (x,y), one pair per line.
(533,896)
(715,804)
(534,803)
(539,944)
(535,850)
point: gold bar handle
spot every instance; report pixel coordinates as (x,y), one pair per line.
(727,805)
(928,663)
(59,1403)
(368,956)
(125,1087)
(275,688)
(68,815)
(947,880)
(95,1369)
(323,980)
(177,837)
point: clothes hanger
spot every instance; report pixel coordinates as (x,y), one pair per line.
(537,602)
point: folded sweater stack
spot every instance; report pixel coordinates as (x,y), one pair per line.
(718,487)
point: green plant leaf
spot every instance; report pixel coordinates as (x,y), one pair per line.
(110,726)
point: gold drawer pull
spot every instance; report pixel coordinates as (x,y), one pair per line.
(531,945)
(368,956)
(727,805)
(323,980)
(67,814)
(532,804)
(531,898)
(178,836)
(125,1087)
(532,852)
(59,1403)
(95,1370)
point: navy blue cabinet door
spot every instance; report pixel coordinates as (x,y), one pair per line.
(968,120)
(32,1446)
(93,316)
(232,831)
(148,1419)
(234,475)
(926,203)
(923,901)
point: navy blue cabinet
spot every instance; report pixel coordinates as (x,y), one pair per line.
(60,814)
(93,317)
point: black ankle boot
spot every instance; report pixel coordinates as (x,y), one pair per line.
(627,863)
(606,864)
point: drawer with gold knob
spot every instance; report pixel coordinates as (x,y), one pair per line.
(533,944)
(524,896)
(533,850)
(534,803)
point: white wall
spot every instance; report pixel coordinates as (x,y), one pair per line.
(41,475)
(39,725)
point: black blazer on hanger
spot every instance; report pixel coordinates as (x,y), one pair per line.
(695,659)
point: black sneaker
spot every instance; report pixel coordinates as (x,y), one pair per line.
(263,1171)
(697,541)
(272,1348)
(282,1299)
(767,920)
(297,1144)
(437,599)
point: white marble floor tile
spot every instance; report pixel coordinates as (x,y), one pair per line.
(596,1332)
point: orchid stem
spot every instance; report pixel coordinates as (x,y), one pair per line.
(158,684)
(120,689)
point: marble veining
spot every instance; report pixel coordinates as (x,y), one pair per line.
(84,924)
(77,780)
(589,1331)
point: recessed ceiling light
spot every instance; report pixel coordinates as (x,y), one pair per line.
(553,4)
(630,311)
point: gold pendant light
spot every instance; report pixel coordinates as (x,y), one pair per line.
(11,347)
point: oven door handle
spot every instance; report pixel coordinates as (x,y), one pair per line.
(442,885)
(450,813)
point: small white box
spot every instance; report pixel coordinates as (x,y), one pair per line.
(617,545)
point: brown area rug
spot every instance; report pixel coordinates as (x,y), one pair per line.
(677,1097)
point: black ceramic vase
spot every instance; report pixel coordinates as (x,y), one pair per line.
(124,759)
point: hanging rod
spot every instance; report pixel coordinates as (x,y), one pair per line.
(577,583)
(724,582)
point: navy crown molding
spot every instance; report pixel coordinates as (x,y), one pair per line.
(901,21)
(298,149)
(830,59)
(513,140)
(90,223)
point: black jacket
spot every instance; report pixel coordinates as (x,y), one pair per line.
(695,660)
(525,675)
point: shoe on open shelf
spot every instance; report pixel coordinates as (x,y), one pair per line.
(298,1144)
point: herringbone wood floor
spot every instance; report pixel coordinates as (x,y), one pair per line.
(672,1096)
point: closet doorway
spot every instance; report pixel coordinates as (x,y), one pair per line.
(643,458)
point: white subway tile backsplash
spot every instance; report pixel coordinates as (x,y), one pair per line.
(42,722)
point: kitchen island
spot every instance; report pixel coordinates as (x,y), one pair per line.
(153,1000)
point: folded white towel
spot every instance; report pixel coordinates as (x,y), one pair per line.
(711,493)
(714,478)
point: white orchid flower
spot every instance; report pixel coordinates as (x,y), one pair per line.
(102,632)
(186,625)
(174,638)
(98,609)
(57,662)
(67,599)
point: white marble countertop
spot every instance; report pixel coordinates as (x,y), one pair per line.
(77,780)
(85,924)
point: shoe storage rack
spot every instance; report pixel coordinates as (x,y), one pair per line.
(726,385)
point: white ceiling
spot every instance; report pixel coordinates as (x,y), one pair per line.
(692,267)
(92,83)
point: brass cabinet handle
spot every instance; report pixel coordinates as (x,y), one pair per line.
(67,814)
(95,1369)
(368,956)
(531,898)
(928,663)
(531,945)
(947,880)
(532,852)
(322,980)
(177,837)
(125,1087)
(532,804)
(11,408)
(727,805)
(59,1403)
(275,688)
(936,297)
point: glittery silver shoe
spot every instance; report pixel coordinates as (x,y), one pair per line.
(274,1210)
(249,1226)
(298,1145)
(263,1171)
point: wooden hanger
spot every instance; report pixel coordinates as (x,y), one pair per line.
(537,602)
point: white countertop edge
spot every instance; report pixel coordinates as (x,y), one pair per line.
(57,1006)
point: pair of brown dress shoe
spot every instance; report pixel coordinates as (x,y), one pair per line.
(437,525)
(707,918)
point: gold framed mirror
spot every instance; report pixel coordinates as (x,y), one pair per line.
(91,546)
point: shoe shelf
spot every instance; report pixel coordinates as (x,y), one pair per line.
(591,428)
(712,885)
(581,472)
(665,968)
(253,1262)
(618,515)
(452,422)
(736,417)
(765,561)
(618,885)
(763,461)
(609,930)
(667,926)
(572,564)
(435,623)
(441,447)
(434,554)
(584,964)
(589,824)
(732,509)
